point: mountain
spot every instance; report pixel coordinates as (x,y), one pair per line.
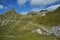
(7,20)
(57,10)
(11,14)
(32,26)
(50,19)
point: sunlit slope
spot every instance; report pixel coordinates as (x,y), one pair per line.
(21,27)
(11,14)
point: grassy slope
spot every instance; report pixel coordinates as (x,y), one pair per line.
(51,19)
(20,33)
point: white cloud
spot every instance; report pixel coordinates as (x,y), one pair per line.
(50,8)
(36,9)
(42,2)
(53,7)
(21,2)
(23,13)
(1,6)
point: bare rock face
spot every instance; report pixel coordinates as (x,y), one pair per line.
(39,31)
(55,31)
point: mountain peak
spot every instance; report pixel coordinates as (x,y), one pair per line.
(11,14)
(12,9)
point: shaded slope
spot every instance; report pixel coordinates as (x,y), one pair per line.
(50,19)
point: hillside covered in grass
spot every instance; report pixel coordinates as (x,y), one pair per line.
(50,19)
(23,27)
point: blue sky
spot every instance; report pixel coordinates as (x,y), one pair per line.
(25,6)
